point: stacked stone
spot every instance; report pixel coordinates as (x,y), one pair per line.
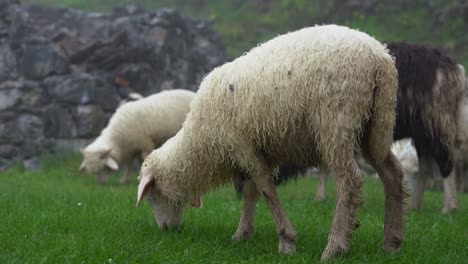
(63,72)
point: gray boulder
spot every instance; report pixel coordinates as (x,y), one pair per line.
(58,122)
(40,61)
(5,164)
(9,95)
(32,164)
(30,126)
(8,151)
(90,120)
(8,65)
(82,88)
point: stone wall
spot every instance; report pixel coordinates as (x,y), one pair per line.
(63,72)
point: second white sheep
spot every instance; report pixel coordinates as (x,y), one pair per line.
(136,128)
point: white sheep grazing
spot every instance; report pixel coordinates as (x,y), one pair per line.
(136,128)
(306,97)
(131,97)
(408,157)
(402,149)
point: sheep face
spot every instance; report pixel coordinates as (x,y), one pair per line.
(98,163)
(168,214)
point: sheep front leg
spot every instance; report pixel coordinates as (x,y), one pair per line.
(261,173)
(321,194)
(348,187)
(246,224)
(286,231)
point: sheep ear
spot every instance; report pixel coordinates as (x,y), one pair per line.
(461,69)
(111,163)
(82,167)
(197,202)
(104,153)
(145,183)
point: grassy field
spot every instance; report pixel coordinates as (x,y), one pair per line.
(59,216)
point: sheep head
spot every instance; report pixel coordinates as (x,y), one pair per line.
(168,213)
(98,162)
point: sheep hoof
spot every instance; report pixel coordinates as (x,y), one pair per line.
(286,248)
(414,207)
(330,254)
(242,235)
(393,245)
(391,248)
(333,250)
(124,181)
(320,198)
(102,181)
(449,209)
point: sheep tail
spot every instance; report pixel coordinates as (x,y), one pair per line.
(383,112)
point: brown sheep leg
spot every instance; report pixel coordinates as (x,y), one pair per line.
(450,193)
(321,194)
(103,178)
(261,173)
(126,176)
(348,185)
(459,176)
(418,183)
(286,231)
(246,224)
(391,174)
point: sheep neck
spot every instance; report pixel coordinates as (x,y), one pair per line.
(109,140)
(190,170)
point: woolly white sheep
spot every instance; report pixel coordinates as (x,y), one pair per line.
(307,97)
(136,128)
(408,157)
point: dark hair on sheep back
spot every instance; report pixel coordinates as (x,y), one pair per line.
(423,107)
(417,67)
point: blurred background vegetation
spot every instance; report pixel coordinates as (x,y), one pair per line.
(243,24)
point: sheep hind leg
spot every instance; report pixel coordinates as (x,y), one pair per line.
(391,174)
(459,173)
(246,226)
(418,181)
(348,184)
(450,193)
(321,194)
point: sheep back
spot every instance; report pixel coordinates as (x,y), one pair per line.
(297,97)
(153,119)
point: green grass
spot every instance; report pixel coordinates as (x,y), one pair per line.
(59,216)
